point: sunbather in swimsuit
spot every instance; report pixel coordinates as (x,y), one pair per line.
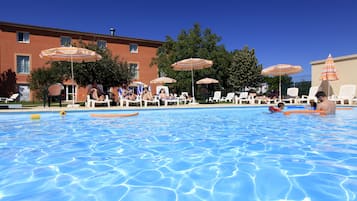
(95,93)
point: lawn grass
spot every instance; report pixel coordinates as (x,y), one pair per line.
(33,104)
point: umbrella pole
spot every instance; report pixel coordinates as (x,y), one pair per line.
(280,88)
(328,88)
(193,87)
(73,91)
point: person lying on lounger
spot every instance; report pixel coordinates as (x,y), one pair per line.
(130,95)
(163,95)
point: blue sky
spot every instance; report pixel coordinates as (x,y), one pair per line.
(281,31)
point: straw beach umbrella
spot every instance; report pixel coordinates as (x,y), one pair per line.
(162,80)
(279,70)
(191,65)
(207,80)
(329,72)
(70,54)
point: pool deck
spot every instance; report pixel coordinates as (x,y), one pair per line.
(119,108)
(10,106)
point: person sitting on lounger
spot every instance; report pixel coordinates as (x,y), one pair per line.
(130,95)
(324,104)
(96,93)
(126,93)
(147,95)
(162,94)
(187,97)
(123,91)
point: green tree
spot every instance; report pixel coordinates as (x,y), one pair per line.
(190,44)
(244,71)
(304,87)
(273,83)
(108,71)
(8,83)
(41,78)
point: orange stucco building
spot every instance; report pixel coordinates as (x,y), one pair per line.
(20,46)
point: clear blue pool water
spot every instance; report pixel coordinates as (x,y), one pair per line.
(217,154)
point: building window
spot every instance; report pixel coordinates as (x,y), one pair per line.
(66,41)
(102,44)
(23,37)
(70,92)
(134,70)
(22,64)
(133,48)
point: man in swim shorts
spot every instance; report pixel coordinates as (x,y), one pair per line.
(324,104)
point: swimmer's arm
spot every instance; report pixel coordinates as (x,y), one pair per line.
(318,107)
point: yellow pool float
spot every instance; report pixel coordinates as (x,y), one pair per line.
(35,116)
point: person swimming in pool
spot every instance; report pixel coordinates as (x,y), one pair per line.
(324,104)
(280,108)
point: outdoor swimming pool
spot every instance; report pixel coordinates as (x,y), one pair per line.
(217,154)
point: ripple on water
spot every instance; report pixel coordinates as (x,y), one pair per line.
(184,155)
(323,186)
(145,177)
(149,193)
(271,184)
(64,180)
(240,186)
(111,193)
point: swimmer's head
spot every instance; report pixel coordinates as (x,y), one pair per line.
(281,105)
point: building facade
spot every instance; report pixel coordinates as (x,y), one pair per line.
(20,46)
(346,68)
